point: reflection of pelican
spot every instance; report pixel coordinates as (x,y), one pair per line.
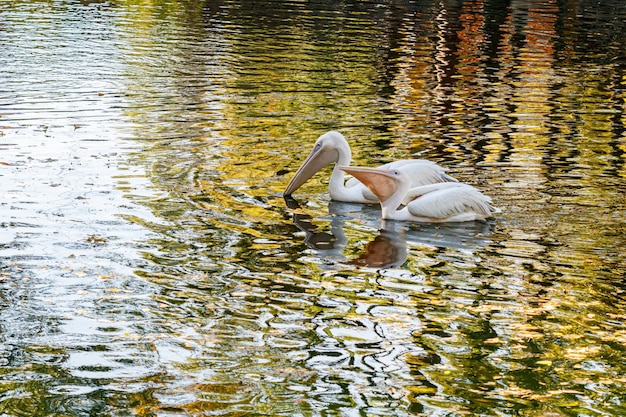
(442,202)
(390,248)
(333,147)
(387,250)
(333,242)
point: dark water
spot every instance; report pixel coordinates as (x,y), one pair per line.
(149,265)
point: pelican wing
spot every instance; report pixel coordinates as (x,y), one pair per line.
(421,171)
(421,190)
(449,203)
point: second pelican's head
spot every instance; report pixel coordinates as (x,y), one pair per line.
(330,147)
(384,183)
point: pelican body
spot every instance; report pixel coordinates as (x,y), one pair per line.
(333,147)
(440,202)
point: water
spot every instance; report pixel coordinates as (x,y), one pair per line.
(150,266)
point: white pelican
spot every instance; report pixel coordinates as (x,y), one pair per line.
(442,202)
(333,147)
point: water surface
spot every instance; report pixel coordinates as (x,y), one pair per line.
(150,266)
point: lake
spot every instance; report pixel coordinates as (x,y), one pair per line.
(149,264)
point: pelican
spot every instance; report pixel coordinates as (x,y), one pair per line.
(441,202)
(333,147)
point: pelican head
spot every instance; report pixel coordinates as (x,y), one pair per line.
(330,147)
(384,183)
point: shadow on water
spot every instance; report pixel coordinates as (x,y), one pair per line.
(149,264)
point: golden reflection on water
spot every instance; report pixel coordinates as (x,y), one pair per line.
(504,322)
